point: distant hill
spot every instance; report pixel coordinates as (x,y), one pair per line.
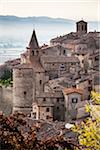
(16,31)
(14,19)
(42,19)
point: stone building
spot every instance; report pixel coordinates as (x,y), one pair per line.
(38,66)
(73,97)
(45,74)
(81,27)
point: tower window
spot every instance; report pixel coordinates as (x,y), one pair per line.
(85,27)
(57,108)
(47,109)
(24,92)
(47,117)
(57,99)
(44,99)
(82,27)
(74,100)
(64,52)
(33,53)
(40,82)
(34,115)
(37,52)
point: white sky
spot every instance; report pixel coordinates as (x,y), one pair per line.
(69,9)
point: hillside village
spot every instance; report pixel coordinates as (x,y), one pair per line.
(54,82)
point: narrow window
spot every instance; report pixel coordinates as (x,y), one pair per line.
(44,99)
(57,108)
(47,109)
(85,27)
(33,53)
(74,100)
(57,99)
(40,82)
(47,117)
(24,93)
(82,27)
(34,115)
(37,52)
(64,52)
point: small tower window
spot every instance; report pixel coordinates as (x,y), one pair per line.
(85,27)
(34,115)
(57,108)
(37,52)
(82,27)
(33,53)
(57,99)
(44,99)
(40,82)
(64,52)
(47,117)
(25,93)
(74,100)
(47,109)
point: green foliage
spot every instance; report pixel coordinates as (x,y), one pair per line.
(89,130)
(95,97)
(6,77)
(6,74)
(6,82)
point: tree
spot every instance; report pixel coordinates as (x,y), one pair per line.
(6,77)
(7,73)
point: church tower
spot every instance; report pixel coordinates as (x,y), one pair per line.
(33,44)
(81,27)
(33,47)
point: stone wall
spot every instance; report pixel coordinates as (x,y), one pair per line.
(6,99)
(22,89)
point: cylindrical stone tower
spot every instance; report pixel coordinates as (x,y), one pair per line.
(22,89)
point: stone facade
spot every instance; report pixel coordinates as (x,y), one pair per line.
(22,89)
(81,27)
(36,90)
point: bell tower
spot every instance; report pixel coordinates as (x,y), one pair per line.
(81,27)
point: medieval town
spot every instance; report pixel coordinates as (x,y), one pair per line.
(53,83)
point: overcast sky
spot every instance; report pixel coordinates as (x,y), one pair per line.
(69,9)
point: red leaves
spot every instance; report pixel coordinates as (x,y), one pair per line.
(21,132)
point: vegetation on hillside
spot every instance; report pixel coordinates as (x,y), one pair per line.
(18,133)
(6,77)
(89,130)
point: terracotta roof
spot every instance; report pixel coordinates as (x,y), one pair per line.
(72,90)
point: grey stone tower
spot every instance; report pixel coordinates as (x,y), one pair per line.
(81,27)
(22,89)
